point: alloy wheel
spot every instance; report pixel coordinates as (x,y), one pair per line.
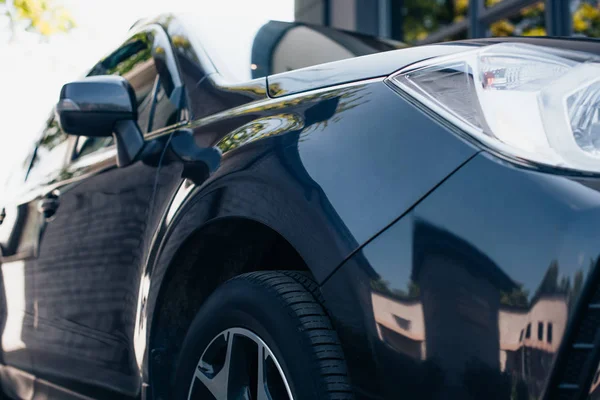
(237,364)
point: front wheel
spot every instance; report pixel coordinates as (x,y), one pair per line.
(263,336)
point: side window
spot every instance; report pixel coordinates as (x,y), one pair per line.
(134,62)
(164,113)
(50,153)
(89,145)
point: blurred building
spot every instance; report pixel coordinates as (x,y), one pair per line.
(427,21)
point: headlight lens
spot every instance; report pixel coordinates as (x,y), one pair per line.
(535,103)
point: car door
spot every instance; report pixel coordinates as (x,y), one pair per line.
(95,222)
(17,232)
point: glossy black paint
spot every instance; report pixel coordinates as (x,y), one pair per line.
(101,106)
(100,228)
(93,105)
(354,69)
(446,292)
(197,162)
(292,131)
(129,140)
(291,180)
(432,255)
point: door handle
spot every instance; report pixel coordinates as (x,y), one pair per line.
(2,215)
(48,205)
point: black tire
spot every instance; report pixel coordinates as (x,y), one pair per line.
(285,310)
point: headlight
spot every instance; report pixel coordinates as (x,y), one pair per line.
(535,103)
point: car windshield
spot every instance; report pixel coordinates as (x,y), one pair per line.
(265,47)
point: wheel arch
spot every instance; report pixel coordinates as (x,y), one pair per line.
(254,203)
(213,253)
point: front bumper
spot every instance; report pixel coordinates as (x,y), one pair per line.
(481,291)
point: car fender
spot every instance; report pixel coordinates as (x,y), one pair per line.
(327,170)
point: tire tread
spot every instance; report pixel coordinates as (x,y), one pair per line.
(302,297)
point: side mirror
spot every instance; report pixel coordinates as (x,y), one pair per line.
(102,106)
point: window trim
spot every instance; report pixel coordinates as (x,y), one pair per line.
(155,90)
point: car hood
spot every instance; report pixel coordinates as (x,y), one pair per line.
(357,68)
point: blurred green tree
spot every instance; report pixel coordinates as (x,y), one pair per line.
(586,18)
(529,21)
(44,17)
(422,17)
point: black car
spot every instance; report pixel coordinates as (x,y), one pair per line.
(305,213)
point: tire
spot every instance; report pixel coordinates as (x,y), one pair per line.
(284,310)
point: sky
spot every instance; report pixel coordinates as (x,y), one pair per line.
(32,71)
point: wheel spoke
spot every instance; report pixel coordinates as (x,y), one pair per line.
(218,384)
(261,390)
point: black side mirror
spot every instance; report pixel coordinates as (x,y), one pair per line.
(102,106)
